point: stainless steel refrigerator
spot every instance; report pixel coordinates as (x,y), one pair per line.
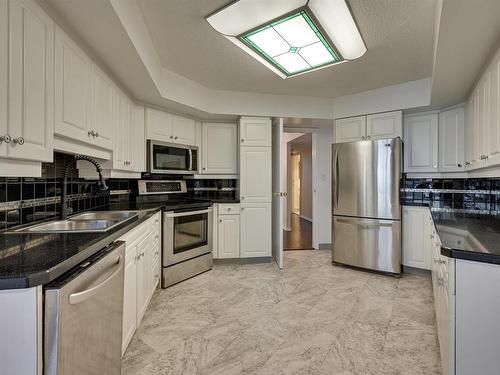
(366,223)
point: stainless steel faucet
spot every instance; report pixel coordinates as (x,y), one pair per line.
(64,196)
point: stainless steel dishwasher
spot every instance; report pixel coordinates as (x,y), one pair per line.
(83,317)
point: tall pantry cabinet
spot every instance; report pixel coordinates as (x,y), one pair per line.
(255,187)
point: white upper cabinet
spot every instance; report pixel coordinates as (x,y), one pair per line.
(219,148)
(350,129)
(30,81)
(103,106)
(421,143)
(376,126)
(384,125)
(493,127)
(255,174)
(72,85)
(183,130)
(255,131)
(139,140)
(4,63)
(451,140)
(159,125)
(165,127)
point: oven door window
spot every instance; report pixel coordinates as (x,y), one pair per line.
(190,232)
(170,158)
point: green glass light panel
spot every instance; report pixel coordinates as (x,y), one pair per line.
(293,44)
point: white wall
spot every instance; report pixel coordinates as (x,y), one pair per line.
(403,96)
(303,146)
(324,137)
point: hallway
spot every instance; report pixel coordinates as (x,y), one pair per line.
(300,237)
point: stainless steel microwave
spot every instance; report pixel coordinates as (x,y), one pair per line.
(171,158)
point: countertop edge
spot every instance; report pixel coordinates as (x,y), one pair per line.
(41,278)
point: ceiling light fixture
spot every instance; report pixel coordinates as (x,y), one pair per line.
(291,37)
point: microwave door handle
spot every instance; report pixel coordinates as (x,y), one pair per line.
(190,159)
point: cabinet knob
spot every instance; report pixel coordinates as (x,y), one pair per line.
(368,137)
(5,138)
(96,134)
(220,221)
(175,137)
(467,163)
(171,137)
(242,198)
(204,168)
(19,141)
(242,140)
(363,137)
(459,165)
(435,167)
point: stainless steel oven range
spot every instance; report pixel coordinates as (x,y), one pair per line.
(187,240)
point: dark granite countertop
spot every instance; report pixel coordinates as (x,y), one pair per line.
(28,260)
(467,236)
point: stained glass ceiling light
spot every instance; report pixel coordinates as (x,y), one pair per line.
(291,37)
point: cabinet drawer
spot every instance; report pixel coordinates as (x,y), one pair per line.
(229,209)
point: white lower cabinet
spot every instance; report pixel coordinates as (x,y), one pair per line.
(416,232)
(229,236)
(255,230)
(142,273)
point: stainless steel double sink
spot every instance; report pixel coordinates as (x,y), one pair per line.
(93,221)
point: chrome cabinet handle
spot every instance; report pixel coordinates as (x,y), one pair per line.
(19,141)
(5,138)
(368,137)
(363,137)
(467,163)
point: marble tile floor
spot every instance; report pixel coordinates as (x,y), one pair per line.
(309,318)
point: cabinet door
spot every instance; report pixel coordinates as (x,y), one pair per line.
(159,125)
(384,125)
(121,126)
(451,140)
(255,174)
(102,109)
(138,140)
(255,230)
(129,296)
(493,130)
(255,131)
(31,81)
(143,276)
(4,63)
(219,148)
(72,96)
(350,129)
(130,142)
(482,118)
(416,238)
(229,236)
(184,130)
(421,143)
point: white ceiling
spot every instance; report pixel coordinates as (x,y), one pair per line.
(398,34)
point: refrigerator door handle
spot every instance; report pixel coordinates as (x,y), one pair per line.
(336,185)
(366,226)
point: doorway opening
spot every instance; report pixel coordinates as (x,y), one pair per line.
(297,234)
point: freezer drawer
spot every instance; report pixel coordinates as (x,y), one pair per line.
(368,243)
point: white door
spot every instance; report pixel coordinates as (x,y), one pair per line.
(451,140)
(219,148)
(183,130)
(159,125)
(4,64)
(278,190)
(255,174)
(256,230)
(384,125)
(31,82)
(129,296)
(102,109)
(421,143)
(255,131)
(229,236)
(72,91)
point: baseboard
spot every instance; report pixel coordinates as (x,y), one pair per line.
(306,218)
(325,246)
(244,260)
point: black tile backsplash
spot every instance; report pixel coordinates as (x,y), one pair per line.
(19,192)
(478,194)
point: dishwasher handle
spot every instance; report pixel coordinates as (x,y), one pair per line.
(86,294)
(187,213)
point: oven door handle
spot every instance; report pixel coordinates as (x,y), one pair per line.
(188,213)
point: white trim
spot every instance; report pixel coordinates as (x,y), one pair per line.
(315,167)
